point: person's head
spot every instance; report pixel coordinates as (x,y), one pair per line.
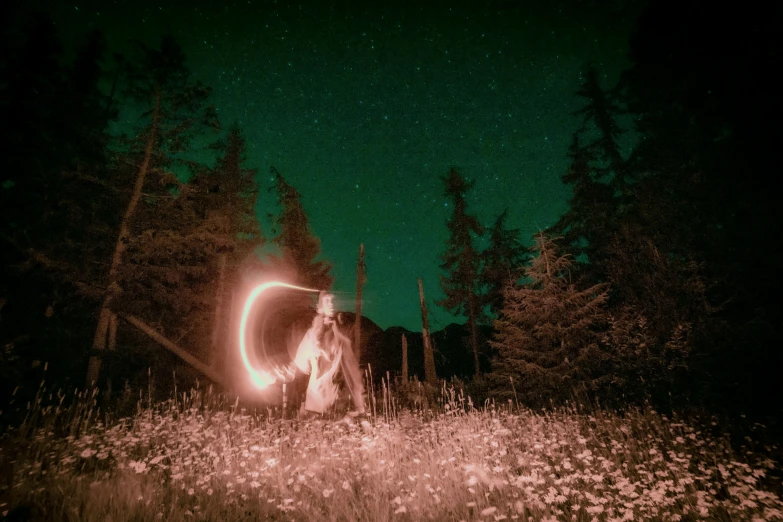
(325,304)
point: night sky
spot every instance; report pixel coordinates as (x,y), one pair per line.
(363,109)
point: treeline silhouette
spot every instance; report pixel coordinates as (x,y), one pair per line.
(156,221)
(659,283)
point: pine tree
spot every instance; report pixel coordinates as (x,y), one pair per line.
(500,263)
(298,246)
(586,226)
(705,196)
(547,334)
(54,146)
(86,116)
(661,309)
(599,177)
(193,248)
(601,113)
(32,82)
(53,194)
(461,261)
(225,199)
(157,213)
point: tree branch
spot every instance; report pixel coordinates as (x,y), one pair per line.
(91,179)
(56,267)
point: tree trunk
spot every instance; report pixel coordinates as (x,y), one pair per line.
(224,363)
(219,326)
(404,358)
(357,326)
(112,332)
(473,336)
(429,357)
(112,288)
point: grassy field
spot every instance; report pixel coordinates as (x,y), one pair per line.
(195,460)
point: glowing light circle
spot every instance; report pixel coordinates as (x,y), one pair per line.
(261,378)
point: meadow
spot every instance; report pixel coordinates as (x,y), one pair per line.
(197,458)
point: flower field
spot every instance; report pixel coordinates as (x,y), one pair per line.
(190,461)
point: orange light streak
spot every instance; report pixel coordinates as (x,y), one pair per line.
(261,378)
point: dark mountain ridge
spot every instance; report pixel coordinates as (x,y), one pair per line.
(382,349)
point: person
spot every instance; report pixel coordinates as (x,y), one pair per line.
(322,351)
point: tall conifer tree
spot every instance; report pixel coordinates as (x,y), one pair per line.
(599,178)
(54,230)
(547,334)
(157,213)
(298,246)
(461,261)
(501,263)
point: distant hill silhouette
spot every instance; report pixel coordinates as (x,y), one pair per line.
(369,328)
(453,358)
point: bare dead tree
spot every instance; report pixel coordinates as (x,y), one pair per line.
(429,358)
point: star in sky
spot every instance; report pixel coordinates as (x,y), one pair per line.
(363,109)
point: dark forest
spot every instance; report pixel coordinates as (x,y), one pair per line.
(127,250)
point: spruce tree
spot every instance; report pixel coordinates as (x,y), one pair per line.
(33,79)
(193,250)
(54,192)
(225,200)
(461,260)
(87,115)
(586,226)
(601,114)
(299,248)
(546,338)
(500,263)
(599,179)
(149,240)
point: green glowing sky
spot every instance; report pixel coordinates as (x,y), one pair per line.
(362,109)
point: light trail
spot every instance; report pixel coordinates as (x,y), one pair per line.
(261,378)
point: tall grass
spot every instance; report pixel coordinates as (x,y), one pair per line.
(201,457)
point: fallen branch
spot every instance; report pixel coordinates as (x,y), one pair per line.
(91,179)
(176,350)
(57,267)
